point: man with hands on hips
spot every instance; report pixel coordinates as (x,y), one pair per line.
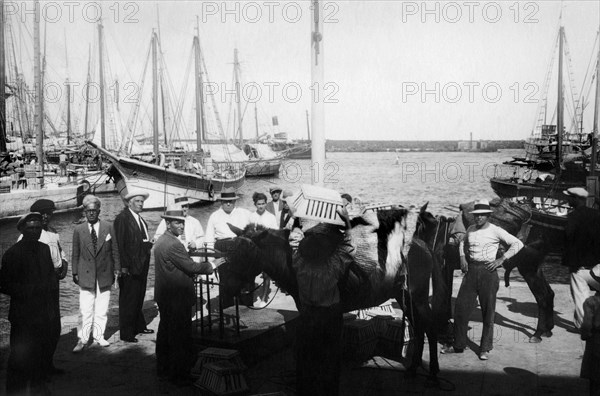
(479,263)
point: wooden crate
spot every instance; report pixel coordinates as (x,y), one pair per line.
(359,340)
(222,378)
(397,340)
(211,355)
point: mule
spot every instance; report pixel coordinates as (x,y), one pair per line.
(381,272)
(436,231)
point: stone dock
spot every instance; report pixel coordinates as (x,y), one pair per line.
(516,367)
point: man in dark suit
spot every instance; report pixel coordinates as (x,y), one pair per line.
(95,266)
(134,253)
(174,293)
(276,205)
(28,277)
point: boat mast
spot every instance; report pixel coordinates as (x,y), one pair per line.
(595,126)
(256,121)
(317,108)
(2,82)
(87,94)
(200,121)
(559,113)
(101,78)
(307,125)
(154,95)
(238,98)
(68,85)
(37,73)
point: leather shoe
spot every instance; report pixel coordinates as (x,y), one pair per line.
(147,331)
(484,356)
(450,349)
(132,339)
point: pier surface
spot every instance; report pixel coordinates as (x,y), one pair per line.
(516,367)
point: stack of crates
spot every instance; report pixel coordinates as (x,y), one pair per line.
(34,176)
(220,371)
(359,340)
(397,341)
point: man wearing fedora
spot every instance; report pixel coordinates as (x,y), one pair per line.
(96,265)
(27,275)
(582,248)
(174,293)
(220,234)
(275,206)
(193,233)
(478,261)
(590,333)
(134,255)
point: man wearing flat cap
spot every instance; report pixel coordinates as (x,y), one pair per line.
(134,255)
(174,293)
(50,237)
(275,206)
(193,233)
(95,268)
(27,275)
(478,261)
(582,248)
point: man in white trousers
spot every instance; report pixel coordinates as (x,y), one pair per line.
(95,266)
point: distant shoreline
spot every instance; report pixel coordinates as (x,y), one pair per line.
(401,146)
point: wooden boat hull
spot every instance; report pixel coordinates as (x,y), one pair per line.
(17,202)
(165,184)
(263,168)
(507,188)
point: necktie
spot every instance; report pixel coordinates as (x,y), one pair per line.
(142,230)
(94,238)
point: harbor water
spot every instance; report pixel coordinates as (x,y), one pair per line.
(445,180)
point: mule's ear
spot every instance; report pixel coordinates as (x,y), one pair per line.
(356,221)
(424,207)
(237,231)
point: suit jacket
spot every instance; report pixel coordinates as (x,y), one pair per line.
(582,238)
(271,208)
(27,275)
(92,267)
(134,254)
(174,270)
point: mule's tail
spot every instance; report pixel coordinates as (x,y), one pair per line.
(394,259)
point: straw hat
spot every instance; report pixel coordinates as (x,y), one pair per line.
(578,192)
(228,194)
(173,212)
(136,192)
(482,207)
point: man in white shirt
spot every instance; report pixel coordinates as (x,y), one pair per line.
(261,216)
(478,260)
(193,234)
(219,233)
(217,228)
(265,219)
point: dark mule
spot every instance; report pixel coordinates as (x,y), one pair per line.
(436,231)
(375,279)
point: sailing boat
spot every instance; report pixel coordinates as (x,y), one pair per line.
(292,149)
(555,160)
(262,161)
(549,205)
(16,197)
(161,180)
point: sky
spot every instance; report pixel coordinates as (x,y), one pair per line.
(394,70)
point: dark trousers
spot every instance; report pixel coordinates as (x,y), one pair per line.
(131,301)
(27,363)
(477,282)
(174,346)
(319,351)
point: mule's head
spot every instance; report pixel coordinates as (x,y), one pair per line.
(257,249)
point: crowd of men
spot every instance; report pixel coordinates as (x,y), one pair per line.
(118,254)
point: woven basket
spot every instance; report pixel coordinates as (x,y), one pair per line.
(318,204)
